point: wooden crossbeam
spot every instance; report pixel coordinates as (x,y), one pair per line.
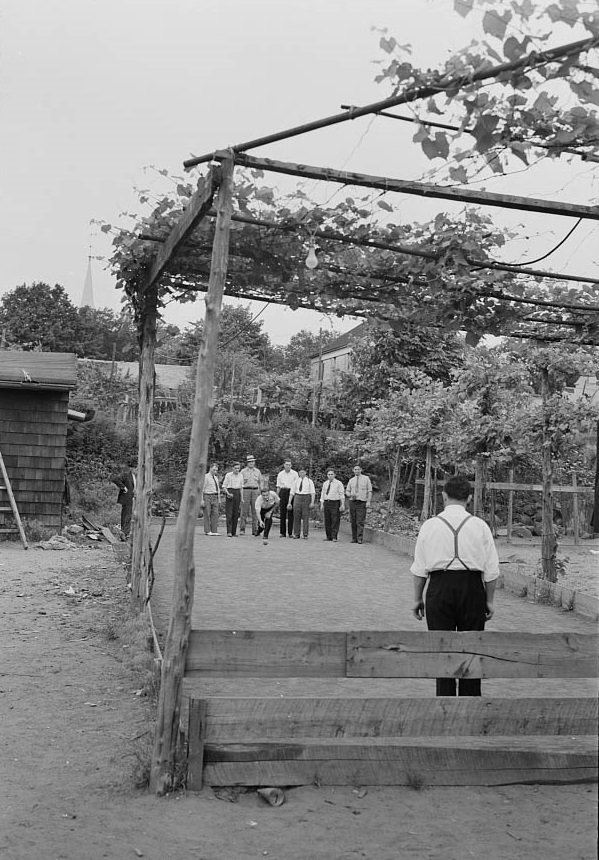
(402,761)
(401,186)
(227,719)
(393,654)
(198,206)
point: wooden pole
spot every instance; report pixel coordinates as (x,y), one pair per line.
(575,511)
(142,503)
(403,186)
(175,650)
(510,507)
(479,482)
(447,83)
(393,490)
(426,501)
(548,539)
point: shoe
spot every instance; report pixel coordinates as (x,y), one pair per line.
(354,541)
(360,541)
(327,539)
(265,542)
(229,534)
(305,537)
(334,540)
(295,537)
(213,534)
(284,536)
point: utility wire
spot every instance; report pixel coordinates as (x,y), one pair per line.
(549,253)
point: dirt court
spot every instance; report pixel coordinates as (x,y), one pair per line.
(75,736)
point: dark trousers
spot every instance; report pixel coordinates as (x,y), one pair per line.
(126,514)
(456,600)
(266,514)
(286,516)
(232,509)
(357,518)
(301,514)
(332,517)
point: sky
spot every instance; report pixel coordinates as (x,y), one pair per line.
(96,97)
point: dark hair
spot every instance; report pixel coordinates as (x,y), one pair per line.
(458,487)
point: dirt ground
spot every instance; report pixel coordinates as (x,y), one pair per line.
(75,736)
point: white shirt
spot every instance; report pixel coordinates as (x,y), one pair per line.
(285,479)
(233,481)
(262,502)
(435,545)
(360,487)
(307,488)
(332,493)
(211,483)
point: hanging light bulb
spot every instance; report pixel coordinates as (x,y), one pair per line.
(311,259)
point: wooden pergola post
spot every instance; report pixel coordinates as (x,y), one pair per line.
(175,649)
(140,550)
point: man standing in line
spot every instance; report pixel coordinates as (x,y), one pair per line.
(455,551)
(285,480)
(252,480)
(301,500)
(359,493)
(233,487)
(332,504)
(211,500)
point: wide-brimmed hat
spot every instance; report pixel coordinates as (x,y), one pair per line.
(250,457)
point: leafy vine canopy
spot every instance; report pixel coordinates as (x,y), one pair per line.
(540,109)
(440,275)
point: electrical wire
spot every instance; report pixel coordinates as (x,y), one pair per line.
(549,253)
(242,330)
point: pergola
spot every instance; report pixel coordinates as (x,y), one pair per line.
(210,248)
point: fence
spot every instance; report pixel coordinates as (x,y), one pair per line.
(284,741)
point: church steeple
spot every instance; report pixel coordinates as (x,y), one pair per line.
(87,299)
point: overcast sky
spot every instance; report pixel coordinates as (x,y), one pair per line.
(96,93)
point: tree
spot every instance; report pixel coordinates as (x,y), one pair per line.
(302,346)
(103,334)
(40,317)
(540,109)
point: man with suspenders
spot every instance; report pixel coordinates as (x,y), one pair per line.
(456,553)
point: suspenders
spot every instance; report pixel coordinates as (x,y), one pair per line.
(455,532)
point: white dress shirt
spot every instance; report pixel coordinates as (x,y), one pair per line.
(332,491)
(302,487)
(211,484)
(285,479)
(360,487)
(435,545)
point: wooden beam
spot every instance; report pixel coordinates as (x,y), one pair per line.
(486,654)
(198,206)
(395,654)
(401,186)
(245,719)
(446,84)
(265,654)
(398,761)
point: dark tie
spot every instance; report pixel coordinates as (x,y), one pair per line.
(328,489)
(301,485)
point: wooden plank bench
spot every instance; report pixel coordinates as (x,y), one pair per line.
(275,740)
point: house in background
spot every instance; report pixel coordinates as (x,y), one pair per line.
(34,407)
(335,357)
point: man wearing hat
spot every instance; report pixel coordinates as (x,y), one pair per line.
(252,481)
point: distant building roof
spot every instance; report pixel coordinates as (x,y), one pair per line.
(168,376)
(30,371)
(344,340)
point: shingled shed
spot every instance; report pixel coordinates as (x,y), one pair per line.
(34,401)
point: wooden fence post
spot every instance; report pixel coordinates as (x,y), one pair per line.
(175,650)
(575,512)
(510,507)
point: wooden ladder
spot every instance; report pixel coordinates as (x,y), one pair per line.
(12,506)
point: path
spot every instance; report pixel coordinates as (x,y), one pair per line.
(316,585)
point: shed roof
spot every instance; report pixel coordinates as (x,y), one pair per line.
(30,371)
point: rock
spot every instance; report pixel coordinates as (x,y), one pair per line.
(521,532)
